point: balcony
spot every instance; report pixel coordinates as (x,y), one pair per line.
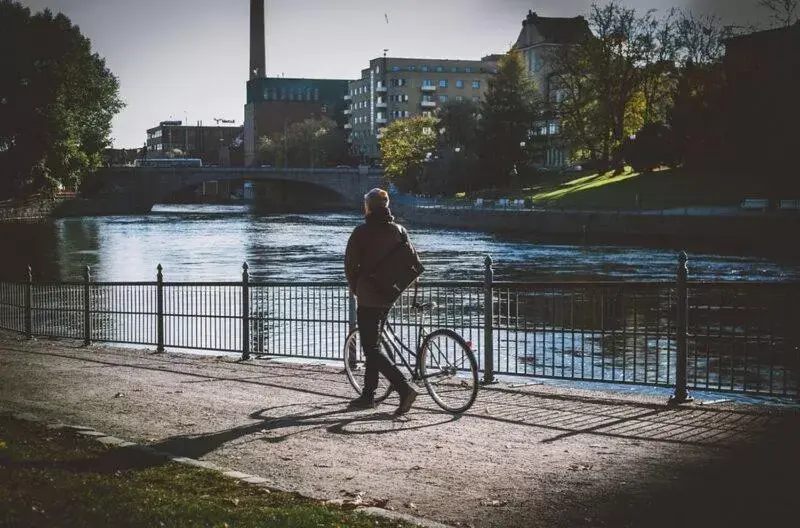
(381,89)
(381,120)
(347,111)
(348,97)
(428,104)
(428,88)
(348,126)
(381,104)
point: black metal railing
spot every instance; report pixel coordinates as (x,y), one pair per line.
(722,336)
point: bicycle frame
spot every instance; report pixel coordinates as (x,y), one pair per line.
(396,344)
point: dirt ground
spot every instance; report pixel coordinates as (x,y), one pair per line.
(533,455)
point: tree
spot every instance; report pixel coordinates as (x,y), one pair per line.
(508,114)
(405,145)
(698,118)
(458,125)
(612,81)
(700,39)
(783,12)
(57,99)
(313,142)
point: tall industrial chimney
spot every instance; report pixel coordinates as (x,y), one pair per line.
(258,45)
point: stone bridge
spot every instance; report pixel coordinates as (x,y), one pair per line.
(134,190)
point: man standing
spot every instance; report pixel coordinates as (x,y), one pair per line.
(368,245)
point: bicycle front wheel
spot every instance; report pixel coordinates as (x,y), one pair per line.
(355,363)
(449,370)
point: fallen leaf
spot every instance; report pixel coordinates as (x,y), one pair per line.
(416,468)
(411,505)
(119,395)
(322,465)
(493,502)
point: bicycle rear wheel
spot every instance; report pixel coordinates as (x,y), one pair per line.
(449,370)
(354,366)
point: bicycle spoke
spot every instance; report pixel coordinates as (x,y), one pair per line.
(449,370)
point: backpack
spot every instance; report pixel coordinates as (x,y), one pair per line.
(396,271)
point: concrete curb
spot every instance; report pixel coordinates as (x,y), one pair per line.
(253,480)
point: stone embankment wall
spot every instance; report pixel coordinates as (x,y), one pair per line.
(26,212)
(756,228)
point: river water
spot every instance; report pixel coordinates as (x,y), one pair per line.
(210,243)
(574,332)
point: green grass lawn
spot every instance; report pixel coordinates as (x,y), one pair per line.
(55,478)
(660,189)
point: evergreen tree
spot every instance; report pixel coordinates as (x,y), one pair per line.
(508,114)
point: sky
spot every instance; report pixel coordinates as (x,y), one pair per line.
(187,60)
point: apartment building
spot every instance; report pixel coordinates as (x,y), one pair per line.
(538,39)
(395,88)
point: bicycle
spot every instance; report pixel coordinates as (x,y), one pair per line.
(453,386)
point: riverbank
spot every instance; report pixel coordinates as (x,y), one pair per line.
(526,455)
(771,233)
(32,210)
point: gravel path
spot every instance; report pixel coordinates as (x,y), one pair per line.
(526,456)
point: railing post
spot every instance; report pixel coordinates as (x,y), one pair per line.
(681,394)
(351,311)
(87,299)
(245,312)
(29,303)
(159,309)
(488,321)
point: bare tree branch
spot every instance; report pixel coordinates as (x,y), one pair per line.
(783,12)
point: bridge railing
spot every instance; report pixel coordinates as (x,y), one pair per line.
(721,336)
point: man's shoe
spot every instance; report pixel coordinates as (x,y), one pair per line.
(407,398)
(365,401)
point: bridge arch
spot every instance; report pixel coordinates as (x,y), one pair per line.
(142,187)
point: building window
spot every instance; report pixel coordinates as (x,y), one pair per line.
(443,98)
(459,84)
(476,84)
(476,99)
(439,69)
(459,98)
(454,69)
(424,68)
(443,83)
(467,70)
(427,82)
(412,68)
(395,68)
(316,94)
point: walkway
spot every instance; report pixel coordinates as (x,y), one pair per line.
(536,455)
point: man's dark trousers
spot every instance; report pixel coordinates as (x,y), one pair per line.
(370,325)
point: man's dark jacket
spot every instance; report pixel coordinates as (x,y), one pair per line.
(368,244)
